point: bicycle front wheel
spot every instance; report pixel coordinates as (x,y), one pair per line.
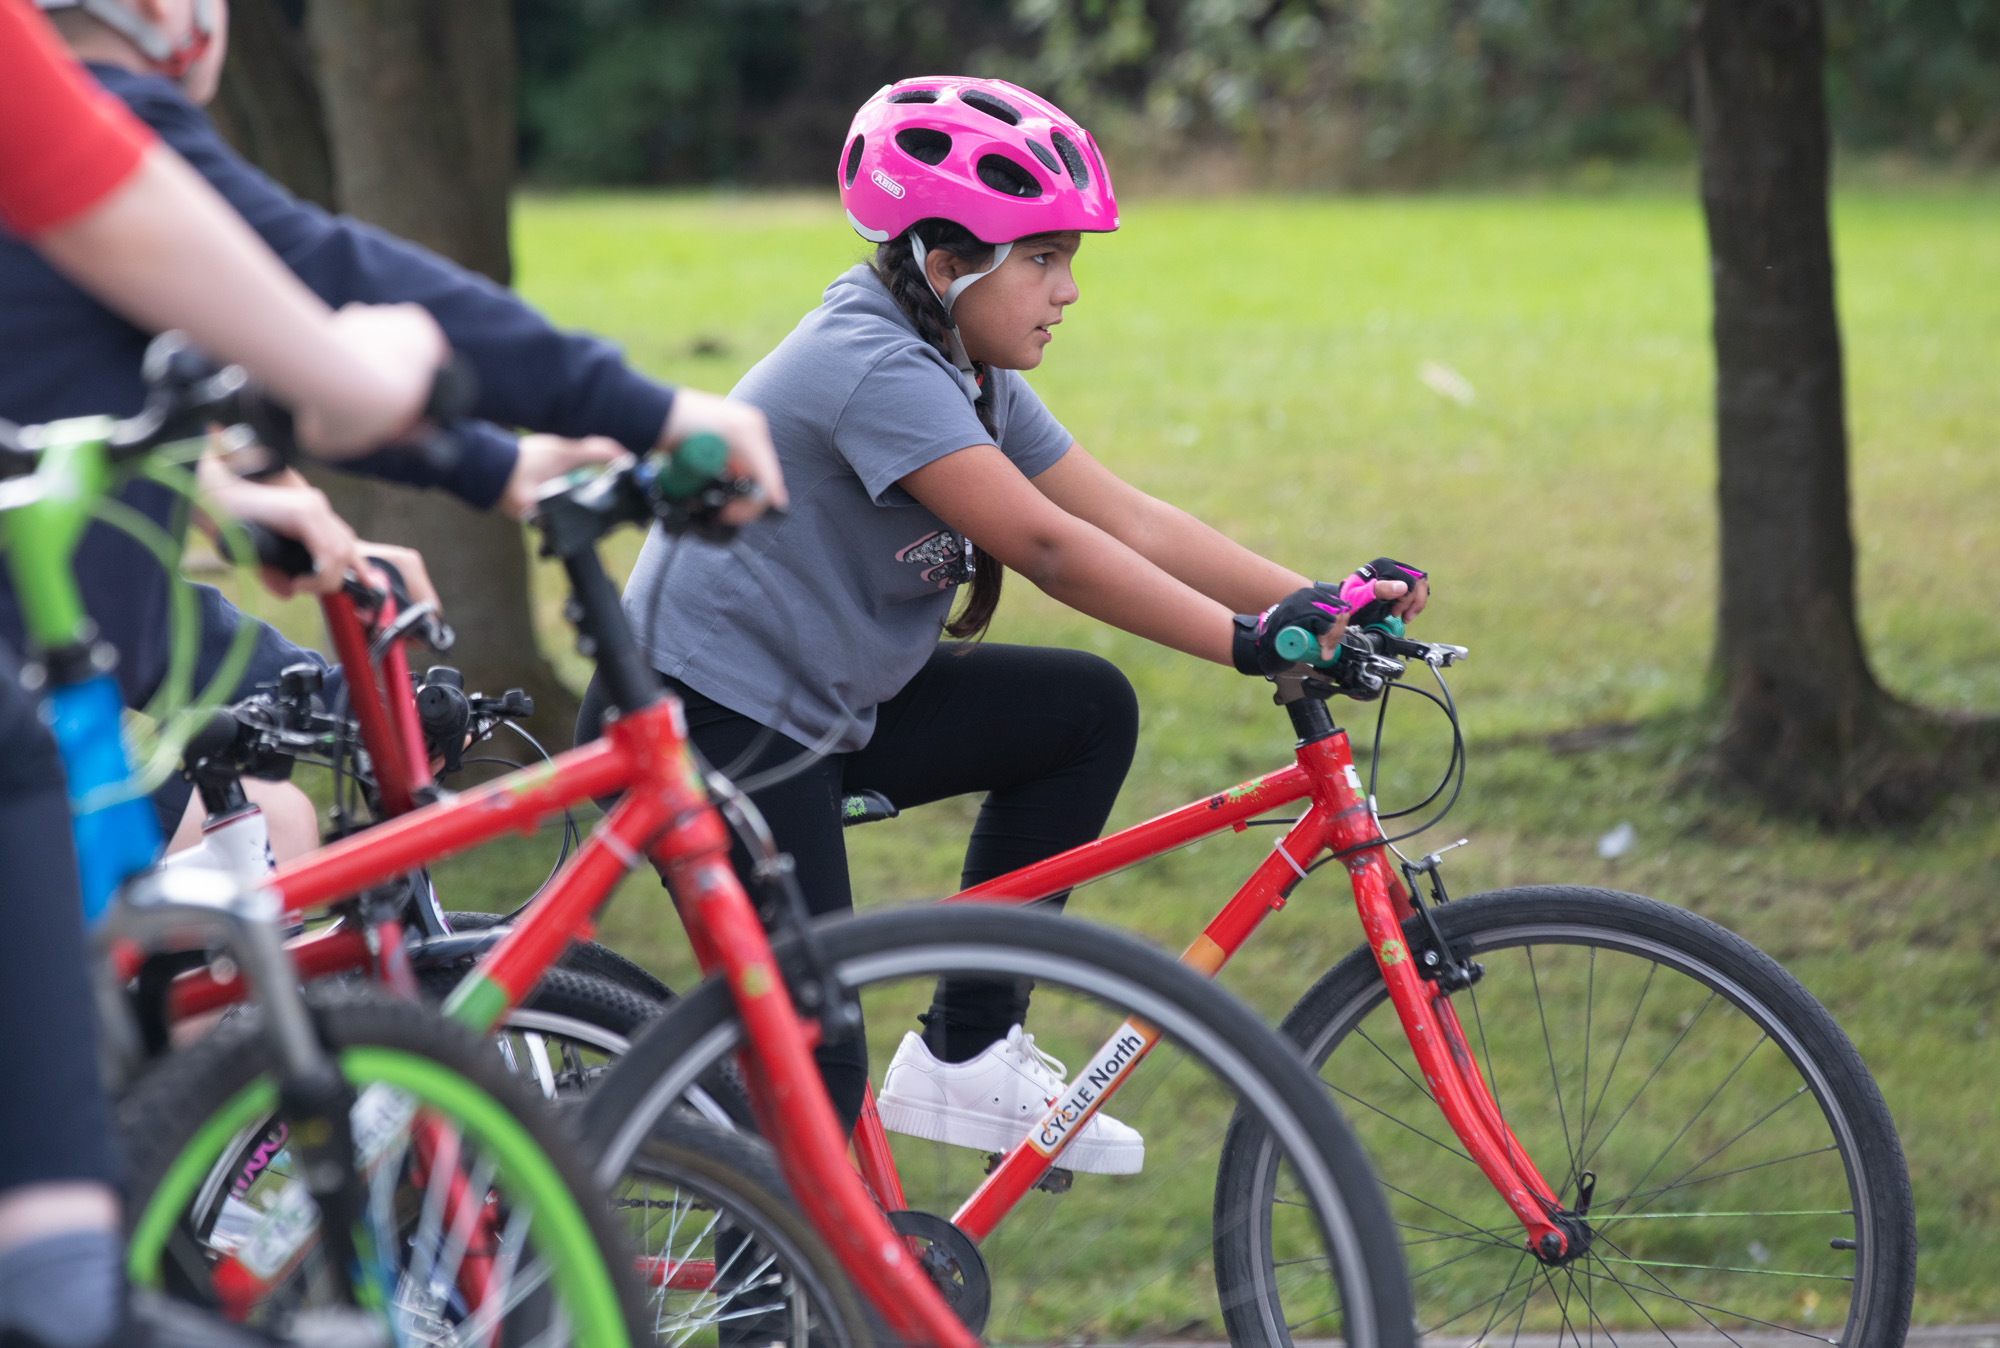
(1127,1257)
(1744,1171)
(483,1228)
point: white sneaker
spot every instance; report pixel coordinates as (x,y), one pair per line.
(991,1101)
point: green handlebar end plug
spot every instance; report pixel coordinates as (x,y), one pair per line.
(697,461)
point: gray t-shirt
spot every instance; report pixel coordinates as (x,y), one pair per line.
(856,401)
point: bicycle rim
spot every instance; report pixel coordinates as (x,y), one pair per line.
(478,1232)
(1746,1173)
(1127,1257)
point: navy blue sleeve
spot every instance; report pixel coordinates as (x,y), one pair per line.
(531,375)
(485,462)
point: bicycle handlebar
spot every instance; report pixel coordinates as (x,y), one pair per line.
(1368,655)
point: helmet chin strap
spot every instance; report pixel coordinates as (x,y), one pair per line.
(173,58)
(950,297)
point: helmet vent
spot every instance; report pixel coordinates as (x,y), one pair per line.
(991,106)
(923,143)
(915,96)
(1004,175)
(1072,159)
(853,161)
(1048,160)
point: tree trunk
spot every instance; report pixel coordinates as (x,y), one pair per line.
(268,105)
(1808,728)
(419,97)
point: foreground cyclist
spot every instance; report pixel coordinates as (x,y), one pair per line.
(925,461)
(65,355)
(120,215)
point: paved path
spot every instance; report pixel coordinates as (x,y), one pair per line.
(1926,1336)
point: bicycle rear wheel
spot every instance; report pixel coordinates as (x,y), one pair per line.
(1747,1174)
(1123,1257)
(725,1255)
(485,1228)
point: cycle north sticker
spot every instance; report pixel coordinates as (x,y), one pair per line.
(1110,1064)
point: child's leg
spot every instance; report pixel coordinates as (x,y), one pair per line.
(803,812)
(1048,734)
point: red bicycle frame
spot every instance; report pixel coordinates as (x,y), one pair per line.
(1337,820)
(666,816)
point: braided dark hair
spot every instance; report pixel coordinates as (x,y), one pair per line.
(896,265)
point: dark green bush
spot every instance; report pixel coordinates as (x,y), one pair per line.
(1304,92)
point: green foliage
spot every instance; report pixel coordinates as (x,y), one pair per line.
(632,91)
(1333,90)
(1322,92)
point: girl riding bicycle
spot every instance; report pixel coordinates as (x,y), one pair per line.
(920,461)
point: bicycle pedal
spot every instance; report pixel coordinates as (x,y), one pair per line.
(1055,1180)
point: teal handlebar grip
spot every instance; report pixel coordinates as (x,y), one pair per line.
(697,461)
(1296,643)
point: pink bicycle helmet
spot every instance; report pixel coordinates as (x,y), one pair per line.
(985,154)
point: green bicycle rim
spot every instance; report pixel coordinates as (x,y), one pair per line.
(578,1266)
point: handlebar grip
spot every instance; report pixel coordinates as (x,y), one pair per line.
(1296,643)
(454,389)
(218,735)
(282,554)
(697,461)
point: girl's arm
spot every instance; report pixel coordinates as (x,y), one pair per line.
(1168,537)
(979,492)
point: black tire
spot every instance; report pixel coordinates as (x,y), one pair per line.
(1719,1191)
(564,1036)
(571,1027)
(202,1116)
(1083,969)
(781,1285)
(584,957)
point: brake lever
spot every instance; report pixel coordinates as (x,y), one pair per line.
(437,634)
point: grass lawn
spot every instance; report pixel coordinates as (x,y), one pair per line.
(1513,391)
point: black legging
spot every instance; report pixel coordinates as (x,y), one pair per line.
(54,1125)
(1047,734)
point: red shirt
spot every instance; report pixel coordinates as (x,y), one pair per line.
(64,144)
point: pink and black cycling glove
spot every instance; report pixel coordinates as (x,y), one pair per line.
(1317,609)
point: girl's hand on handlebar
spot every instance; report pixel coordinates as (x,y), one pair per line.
(751,455)
(403,347)
(290,506)
(544,457)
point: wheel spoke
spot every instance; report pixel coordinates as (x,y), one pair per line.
(1652,1076)
(1549,1050)
(1692,1118)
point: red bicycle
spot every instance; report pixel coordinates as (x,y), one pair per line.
(722,1243)
(666,816)
(1649,1124)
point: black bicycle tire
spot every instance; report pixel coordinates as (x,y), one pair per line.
(614,1011)
(161,1115)
(739,1169)
(1485,921)
(563,992)
(646,1082)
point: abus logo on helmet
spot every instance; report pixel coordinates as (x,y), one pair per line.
(887,184)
